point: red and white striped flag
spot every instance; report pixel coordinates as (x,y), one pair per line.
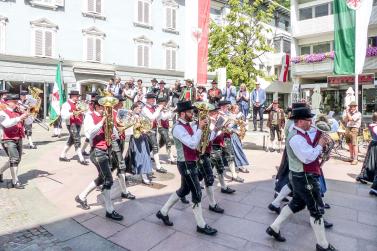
(283,77)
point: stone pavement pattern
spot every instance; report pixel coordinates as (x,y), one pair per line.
(52,185)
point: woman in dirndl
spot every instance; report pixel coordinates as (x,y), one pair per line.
(138,155)
(369,170)
(239,155)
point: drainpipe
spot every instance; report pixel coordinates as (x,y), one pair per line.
(45,89)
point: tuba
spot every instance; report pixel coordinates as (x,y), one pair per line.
(204,108)
(242,128)
(108,103)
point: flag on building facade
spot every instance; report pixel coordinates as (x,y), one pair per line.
(351,20)
(283,77)
(57,97)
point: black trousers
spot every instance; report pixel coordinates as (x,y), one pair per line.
(152,139)
(117,160)
(28,130)
(164,137)
(205,170)
(227,152)
(258,111)
(217,159)
(189,181)
(58,122)
(100,159)
(306,192)
(13,148)
(74,135)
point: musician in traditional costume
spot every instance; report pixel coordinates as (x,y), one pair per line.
(28,123)
(188,91)
(91,96)
(369,170)
(163,127)
(73,118)
(227,149)
(201,94)
(3,94)
(138,158)
(162,91)
(94,128)
(12,133)
(187,138)
(276,122)
(152,112)
(303,155)
(214,94)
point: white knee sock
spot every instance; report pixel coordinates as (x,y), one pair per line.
(55,131)
(30,141)
(211,196)
(232,168)
(319,231)
(157,160)
(198,213)
(65,150)
(84,146)
(59,131)
(283,193)
(279,145)
(169,204)
(107,199)
(170,154)
(222,181)
(271,146)
(92,185)
(122,182)
(79,153)
(284,214)
(4,167)
(13,172)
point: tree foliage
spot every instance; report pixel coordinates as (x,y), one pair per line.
(240,41)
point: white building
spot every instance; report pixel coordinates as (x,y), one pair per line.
(313,33)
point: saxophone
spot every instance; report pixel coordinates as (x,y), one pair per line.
(204,108)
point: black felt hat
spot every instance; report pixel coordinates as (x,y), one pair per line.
(150,95)
(298,105)
(12,96)
(23,93)
(162,99)
(76,93)
(161,82)
(184,106)
(302,113)
(154,80)
(223,102)
(4,92)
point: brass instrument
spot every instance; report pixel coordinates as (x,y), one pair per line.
(108,103)
(105,93)
(142,125)
(81,108)
(242,128)
(204,108)
(35,92)
(124,120)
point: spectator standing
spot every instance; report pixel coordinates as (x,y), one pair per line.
(243,98)
(352,118)
(276,122)
(258,98)
(214,94)
(229,92)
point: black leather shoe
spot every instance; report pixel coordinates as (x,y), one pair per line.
(83,203)
(84,162)
(238,179)
(64,159)
(274,209)
(373,192)
(255,129)
(18,185)
(84,153)
(278,150)
(206,230)
(1,178)
(114,216)
(272,150)
(184,200)
(327,224)
(216,209)
(173,162)
(326,206)
(161,170)
(54,136)
(329,248)
(128,195)
(277,236)
(165,219)
(33,147)
(228,190)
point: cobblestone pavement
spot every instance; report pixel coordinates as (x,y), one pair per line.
(46,208)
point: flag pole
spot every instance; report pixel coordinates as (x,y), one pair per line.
(357,88)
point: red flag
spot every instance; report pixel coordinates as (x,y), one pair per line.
(203,23)
(284,68)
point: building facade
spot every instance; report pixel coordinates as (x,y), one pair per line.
(313,54)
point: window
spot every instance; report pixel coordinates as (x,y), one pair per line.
(143,51)
(286,25)
(43,38)
(143,11)
(304,50)
(3,21)
(306,13)
(375,2)
(269,70)
(171,16)
(93,44)
(276,71)
(321,48)
(94,6)
(170,60)
(286,46)
(53,4)
(277,45)
(372,41)
(322,10)
(261,67)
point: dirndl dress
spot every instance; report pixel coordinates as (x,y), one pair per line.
(138,155)
(369,169)
(240,158)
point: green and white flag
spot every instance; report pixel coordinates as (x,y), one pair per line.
(58,97)
(351,20)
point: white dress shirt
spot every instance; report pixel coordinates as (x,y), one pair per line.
(152,116)
(65,112)
(180,133)
(91,129)
(303,151)
(6,121)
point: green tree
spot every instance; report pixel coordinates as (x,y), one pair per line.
(240,42)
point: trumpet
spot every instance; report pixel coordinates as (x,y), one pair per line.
(81,108)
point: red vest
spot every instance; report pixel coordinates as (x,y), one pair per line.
(77,120)
(164,123)
(190,154)
(152,110)
(15,132)
(99,140)
(314,166)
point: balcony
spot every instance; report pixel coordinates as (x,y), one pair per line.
(311,27)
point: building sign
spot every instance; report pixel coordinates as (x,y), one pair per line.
(348,80)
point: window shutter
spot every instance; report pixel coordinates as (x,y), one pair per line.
(98,50)
(91,5)
(168,18)
(173,57)
(38,43)
(140,11)
(48,44)
(168,59)
(174,16)
(146,13)
(98,6)
(89,49)
(146,56)
(139,55)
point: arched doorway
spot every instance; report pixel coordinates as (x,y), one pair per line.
(91,85)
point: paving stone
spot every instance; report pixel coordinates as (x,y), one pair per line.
(367,218)
(59,229)
(258,198)
(235,209)
(103,227)
(342,242)
(83,217)
(351,201)
(91,241)
(149,236)
(237,196)
(355,229)
(261,215)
